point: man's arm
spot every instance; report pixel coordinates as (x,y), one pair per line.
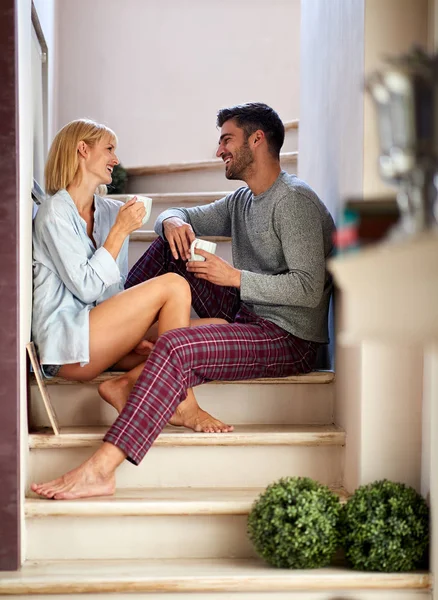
(180,225)
(299,227)
(209,219)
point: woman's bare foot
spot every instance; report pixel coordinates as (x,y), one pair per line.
(95,477)
(116,392)
(190,414)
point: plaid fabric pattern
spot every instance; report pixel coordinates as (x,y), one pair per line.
(248,348)
(208,299)
(185,358)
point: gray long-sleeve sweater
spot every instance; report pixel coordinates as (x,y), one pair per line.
(280,241)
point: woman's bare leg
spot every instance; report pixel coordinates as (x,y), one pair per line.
(96,476)
(116,327)
(121,322)
(145,347)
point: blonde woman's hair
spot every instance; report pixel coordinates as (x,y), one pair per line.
(63,161)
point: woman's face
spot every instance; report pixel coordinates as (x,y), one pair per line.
(102,159)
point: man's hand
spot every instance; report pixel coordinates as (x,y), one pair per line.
(214,269)
(180,235)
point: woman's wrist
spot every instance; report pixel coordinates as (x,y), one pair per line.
(118,232)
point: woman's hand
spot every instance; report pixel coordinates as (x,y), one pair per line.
(180,235)
(144,348)
(130,216)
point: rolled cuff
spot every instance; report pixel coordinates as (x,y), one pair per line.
(105,266)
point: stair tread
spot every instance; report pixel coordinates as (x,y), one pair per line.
(193,575)
(183,197)
(148,235)
(313,377)
(189,165)
(156,501)
(243,435)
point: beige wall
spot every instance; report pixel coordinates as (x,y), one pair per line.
(341,42)
(47,17)
(391,28)
(331,120)
(331,155)
(158,71)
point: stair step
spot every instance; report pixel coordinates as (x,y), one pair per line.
(254,454)
(141,502)
(209,579)
(148,235)
(319,377)
(243,435)
(180,523)
(194,165)
(161,202)
(303,399)
(292,124)
(177,198)
(191,176)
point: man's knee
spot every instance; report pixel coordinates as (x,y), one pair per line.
(173,344)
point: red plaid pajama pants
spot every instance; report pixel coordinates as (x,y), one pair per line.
(248,347)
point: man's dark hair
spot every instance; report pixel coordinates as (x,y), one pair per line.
(253,116)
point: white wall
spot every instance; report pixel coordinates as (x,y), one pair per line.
(46,15)
(157,71)
(338,155)
(331,154)
(331,114)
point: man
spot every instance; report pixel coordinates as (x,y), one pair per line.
(266,315)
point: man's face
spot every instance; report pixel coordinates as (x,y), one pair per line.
(234,150)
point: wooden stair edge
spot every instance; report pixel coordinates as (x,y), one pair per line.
(180,197)
(193,165)
(319,377)
(195,575)
(147,502)
(148,235)
(291,124)
(274,435)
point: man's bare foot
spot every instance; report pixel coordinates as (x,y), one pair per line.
(116,392)
(190,414)
(83,482)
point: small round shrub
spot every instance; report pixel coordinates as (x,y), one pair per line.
(385,527)
(294,524)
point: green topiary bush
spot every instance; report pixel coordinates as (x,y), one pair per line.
(385,527)
(294,524)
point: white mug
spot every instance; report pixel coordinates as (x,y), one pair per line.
(203,245)
(147,204)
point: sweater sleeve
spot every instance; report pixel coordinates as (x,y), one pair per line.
(298,225)
(209,219)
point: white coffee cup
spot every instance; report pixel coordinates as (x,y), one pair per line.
(203,245)
(147,204)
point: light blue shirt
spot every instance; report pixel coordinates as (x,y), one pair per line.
(71,276)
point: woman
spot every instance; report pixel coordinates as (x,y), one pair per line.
(83,320)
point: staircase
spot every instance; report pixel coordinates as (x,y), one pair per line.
(176,526)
